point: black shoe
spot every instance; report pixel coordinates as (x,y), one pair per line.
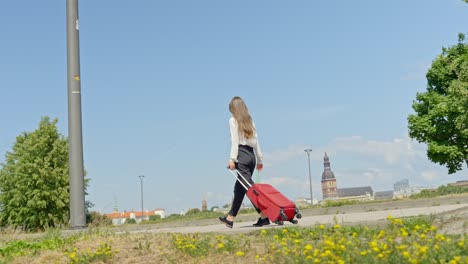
(262,222)
(226,222)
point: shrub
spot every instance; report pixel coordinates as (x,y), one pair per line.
(96,219)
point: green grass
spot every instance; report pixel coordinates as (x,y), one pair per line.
(408,240)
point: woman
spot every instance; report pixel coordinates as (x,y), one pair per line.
(245,156)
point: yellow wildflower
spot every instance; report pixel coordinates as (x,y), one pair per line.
(403,232)
(423,250)
(401,247)
(329,243)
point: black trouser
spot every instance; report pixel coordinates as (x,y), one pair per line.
(246,162)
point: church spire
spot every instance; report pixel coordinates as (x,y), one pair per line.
(327,172)
(329,190)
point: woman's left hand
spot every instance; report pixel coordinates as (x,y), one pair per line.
(259,167)
(231,165)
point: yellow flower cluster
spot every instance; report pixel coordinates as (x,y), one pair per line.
(103,252)
(401,241)
(412,240)
(191,244)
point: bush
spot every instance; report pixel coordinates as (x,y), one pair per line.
(96,219)
(130,221)
(193,211)
(337,203)
(154,217)
(440,191)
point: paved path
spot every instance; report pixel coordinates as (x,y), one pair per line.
(347,218)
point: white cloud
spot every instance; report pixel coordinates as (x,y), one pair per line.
(396,152)
(293,187)
(430,175)
(357,161)
(392,152)
(372,174)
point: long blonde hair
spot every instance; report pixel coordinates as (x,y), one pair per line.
(240,112)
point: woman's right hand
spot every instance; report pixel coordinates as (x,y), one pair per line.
(231,165)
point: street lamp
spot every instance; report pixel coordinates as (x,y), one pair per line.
(75,138)
(141,184)
(310,177)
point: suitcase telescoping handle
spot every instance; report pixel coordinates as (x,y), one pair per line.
(235,173)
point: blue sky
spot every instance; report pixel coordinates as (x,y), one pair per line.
(157,77)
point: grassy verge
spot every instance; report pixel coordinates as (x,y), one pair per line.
(412,240)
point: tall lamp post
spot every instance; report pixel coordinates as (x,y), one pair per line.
(310,177)
(141,184)
(75,145)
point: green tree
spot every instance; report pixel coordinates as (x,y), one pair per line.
(441,118)
(34,181)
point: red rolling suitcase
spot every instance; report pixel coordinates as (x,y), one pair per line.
(277,207)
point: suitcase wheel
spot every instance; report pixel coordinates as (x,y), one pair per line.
(278,222)
(294,221)
(298,214)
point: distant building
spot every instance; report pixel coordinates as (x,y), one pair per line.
(226,210)
(204,204)
(383,195)
(328,180)
(355,193)
(119,218)
(463,183)
(304,202)
(331,192)
(408,192)
(401,186)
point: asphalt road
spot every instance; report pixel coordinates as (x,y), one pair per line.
(308,220)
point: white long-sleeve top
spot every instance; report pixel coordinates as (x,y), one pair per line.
(237,140)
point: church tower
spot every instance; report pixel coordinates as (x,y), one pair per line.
(204,204)
(328,180)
